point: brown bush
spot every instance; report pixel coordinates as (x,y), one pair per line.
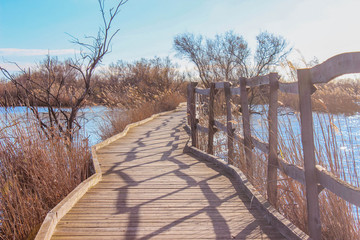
(116,121)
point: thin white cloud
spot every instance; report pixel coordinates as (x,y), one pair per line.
(36,52)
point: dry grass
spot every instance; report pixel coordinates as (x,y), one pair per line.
(117,120)
(339,221)
(339,97)
(35,174)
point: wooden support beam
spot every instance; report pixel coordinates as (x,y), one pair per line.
(192,113)
(202,91)
(307,138)
(210,149)
(273,141)
(246,126)
(229,128)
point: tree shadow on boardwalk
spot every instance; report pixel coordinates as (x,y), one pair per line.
(178,168)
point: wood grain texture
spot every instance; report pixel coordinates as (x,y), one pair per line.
(273,140)
(336,66)
(229,128)
(248,145)
(154,190)
(307,139)
(211,122)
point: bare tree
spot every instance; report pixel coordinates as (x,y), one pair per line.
(191,47)
(271,49)
(81,69)
(227,57)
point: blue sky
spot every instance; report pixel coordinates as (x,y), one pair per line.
(31,29)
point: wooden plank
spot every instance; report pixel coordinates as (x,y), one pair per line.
(282,224)
(257,81)
(211,122)
(307,139)
(219,85)
(273,140)
(229,128)
(220,126)
(188,101)
(336,66)
(203,91)
(262,146)
(292,87)
(235,91)
(248,145)
(339,187)
(155,190)
(202,129)
(291,170)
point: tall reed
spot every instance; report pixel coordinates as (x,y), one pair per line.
(336,150)
(35,174)
(116,120)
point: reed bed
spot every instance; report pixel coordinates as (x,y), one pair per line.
(116,120)
(336,150)
(36,173)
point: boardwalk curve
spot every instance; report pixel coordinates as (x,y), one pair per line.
(151,189)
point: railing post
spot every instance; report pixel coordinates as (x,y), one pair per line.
(210,149)
(273,141)
(307,138)
(229,128)
(192,112)
(188,104)
(246,126)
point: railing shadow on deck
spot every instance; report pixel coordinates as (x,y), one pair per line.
(54,215)
(314,177)
(219,224)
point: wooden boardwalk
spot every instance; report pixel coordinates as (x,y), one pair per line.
(151,189)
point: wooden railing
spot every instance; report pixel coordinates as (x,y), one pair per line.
(314,177)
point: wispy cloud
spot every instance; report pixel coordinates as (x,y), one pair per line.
(35,52)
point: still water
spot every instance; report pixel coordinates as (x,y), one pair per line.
(90,119)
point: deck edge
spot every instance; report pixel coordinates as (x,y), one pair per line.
(282,224)
(54,215)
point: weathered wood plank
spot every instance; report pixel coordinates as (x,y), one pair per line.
(273,140)
(220,126)
(229,127)
(219,85)
(293,171)
(202,129)
(192,112)
(248,145)
(211,122)
(257,81)
(203,91)
(235,91)
(262,146)
(339,187)
(336,66)
(292,87)
(307,139)
(156,190)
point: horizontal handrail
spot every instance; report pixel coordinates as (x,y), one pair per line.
(203,91)
(337,186)
(202,129)
(313,175)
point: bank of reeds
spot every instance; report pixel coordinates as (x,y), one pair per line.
(338,97)
(35,174)
(116,121)
(334,151)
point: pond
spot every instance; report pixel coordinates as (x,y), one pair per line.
(90,118)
